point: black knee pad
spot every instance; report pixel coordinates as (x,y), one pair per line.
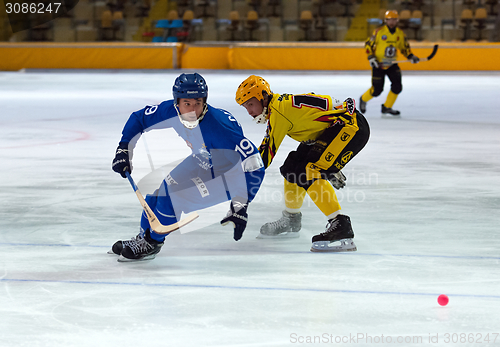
(291,166)
(294,167)
(378,88)
(396,88)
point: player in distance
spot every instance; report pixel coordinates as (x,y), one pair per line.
(381,49)
(330,133)
(224,164)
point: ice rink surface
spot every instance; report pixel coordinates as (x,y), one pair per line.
(423,197)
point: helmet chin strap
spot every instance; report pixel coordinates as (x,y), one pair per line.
(190,124)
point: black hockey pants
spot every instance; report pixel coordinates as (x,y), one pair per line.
(378,79)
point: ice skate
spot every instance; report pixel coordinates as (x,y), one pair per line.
(287,226)
(388,112)
(362,105)
(143,247)
(336,238)
(118,245)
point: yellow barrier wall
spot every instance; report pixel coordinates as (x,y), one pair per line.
(205,57)
(351,56)
(17,56)
(239,56)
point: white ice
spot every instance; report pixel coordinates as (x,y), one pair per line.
(423,197)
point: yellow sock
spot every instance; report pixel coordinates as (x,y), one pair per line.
(367,96)
(323,195)
(391,99)
(294,197)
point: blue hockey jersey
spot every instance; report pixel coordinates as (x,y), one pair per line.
(218,146)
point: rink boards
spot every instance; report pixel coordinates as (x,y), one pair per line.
(237,56)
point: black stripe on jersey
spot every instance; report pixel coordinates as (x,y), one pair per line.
(311,101)
(267,153)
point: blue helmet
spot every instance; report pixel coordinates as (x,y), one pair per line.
(190,86)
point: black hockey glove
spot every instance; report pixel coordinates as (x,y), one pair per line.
(414,59)
(373,61)
(349,105)
(336,179)
(238,216)
(121,163)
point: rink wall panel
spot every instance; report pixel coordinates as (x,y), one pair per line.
(205,57)
(352,56)
(17,56)
(237,56)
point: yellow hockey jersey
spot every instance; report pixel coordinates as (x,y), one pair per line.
(303,117)
(384,45)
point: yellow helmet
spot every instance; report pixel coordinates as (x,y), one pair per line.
(392,14)
(253,86)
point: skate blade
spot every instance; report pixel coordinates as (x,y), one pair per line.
(287,235)
(390,116)
(346,245)
(111,252)
(122,259)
